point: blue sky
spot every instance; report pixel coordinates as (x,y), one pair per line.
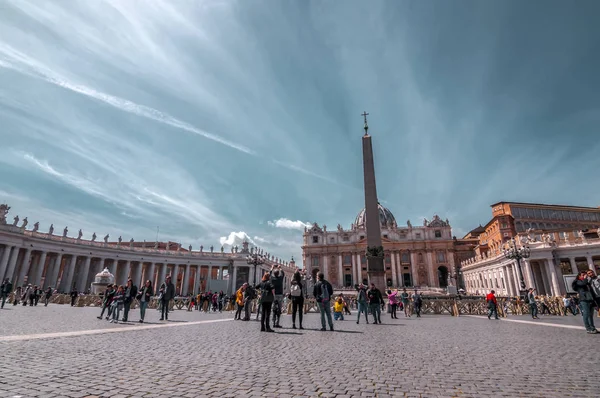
(217,120)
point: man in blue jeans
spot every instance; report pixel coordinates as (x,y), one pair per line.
(323,292)
(361,299)
(532,304)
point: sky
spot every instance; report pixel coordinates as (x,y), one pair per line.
(210,122)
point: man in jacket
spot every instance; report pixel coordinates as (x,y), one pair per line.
(532,304)
(582,285)
(492,305)
(277,282)
(130,293)
(361,299)
(249,295)
(168,293)
(108,296)
(323,292)
(375,301)
(595,288)
(5,290)
(74,295)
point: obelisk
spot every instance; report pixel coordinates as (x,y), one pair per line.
(374,253)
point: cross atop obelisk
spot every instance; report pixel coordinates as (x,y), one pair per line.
(374,252)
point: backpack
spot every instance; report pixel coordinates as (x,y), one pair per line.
(362,296)
(325,296)
(296,291)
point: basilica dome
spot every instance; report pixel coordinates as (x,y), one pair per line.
(386,218)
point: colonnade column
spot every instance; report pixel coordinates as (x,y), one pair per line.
(23,269)
(149,276)
(162,275)
(529,273)
(573,265)
(36,275)
(324,270)
(186,280)
(81,285)
(413,268)
(354,274)
(137,276)
(55,270)
(432,270)
(233,281)
(67,279)
(590,262)
(359,268)
(12,263)
(340,271)
(4,261)
(394,274)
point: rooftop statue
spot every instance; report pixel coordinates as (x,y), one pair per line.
(51,229)
(201,248)
(25,222)
(168,245)
(131,243)
(4,208)
(36,226)
(94,237)
(106,238)
(15,220)
(79,234)
(190,248)
(211,248)
(222,249)
(65,231)
(120,239)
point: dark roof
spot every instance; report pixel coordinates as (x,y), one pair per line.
(547,205)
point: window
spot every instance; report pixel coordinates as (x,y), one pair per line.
(441,257)
(504,225)
(405,257)
(315,262)
(385,236)
(315,239)
(347,259)
(438,234)
(362,237)
(346,238)
(418,236)
(363,259)
(420,257)
(388,259)
(332,240)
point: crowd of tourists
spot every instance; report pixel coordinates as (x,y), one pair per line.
(586,301)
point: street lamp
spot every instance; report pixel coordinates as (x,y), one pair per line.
(256,260)
(514,252)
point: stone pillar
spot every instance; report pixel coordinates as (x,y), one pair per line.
(325,267)
(186,280)
(234,286)
(431,267)
(340,271)
(36,275)
(394,273)
(66,282)
(55,270)
(553,277)
(209,277)
(528,273)
(197,280)
(150,275)
(137,279)
(252,271)
(413,269)
(4,262)
(24,268)
(573,265)
(12,263)
(354,270)
(84,273)
(590,262)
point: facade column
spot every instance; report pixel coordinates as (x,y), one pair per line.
(55,271)
(186,280)
(12,263)
(24,268)
(528,274)
(553,277)
(590,262)
(251,273)
(4,262)
(394,273)
(573,265)
(163,274)
(175,277)
(325,267)
(341,278)
(84,273)
(36,275)
(150,275)
(359,278)
(197,280)
(433,282)
(67,279)
(233,282)
(413,268)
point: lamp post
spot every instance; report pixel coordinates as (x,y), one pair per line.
(514,252)
(256,260)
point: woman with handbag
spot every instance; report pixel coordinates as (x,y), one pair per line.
(144,296)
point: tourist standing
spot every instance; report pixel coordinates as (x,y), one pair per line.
(417,303)
(492,305)
(338,309)
(239,301)
(145,295)
(297,293)
(5,290)
(107,301)
(47,296)
(361,300)
(595,288)
(74,295)
(323,292)
(249,295)
(532,304)
(405,303)
(167,290)
(267,298)
(393,300)
(117,304)
(375,301)
(277,282)
(582,285)
(130,294)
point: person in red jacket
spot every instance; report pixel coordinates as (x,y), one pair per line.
(492,305)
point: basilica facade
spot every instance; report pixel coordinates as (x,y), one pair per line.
(420,256)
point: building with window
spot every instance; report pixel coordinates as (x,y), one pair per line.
(414,255)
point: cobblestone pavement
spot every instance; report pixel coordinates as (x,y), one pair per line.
(428,357)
